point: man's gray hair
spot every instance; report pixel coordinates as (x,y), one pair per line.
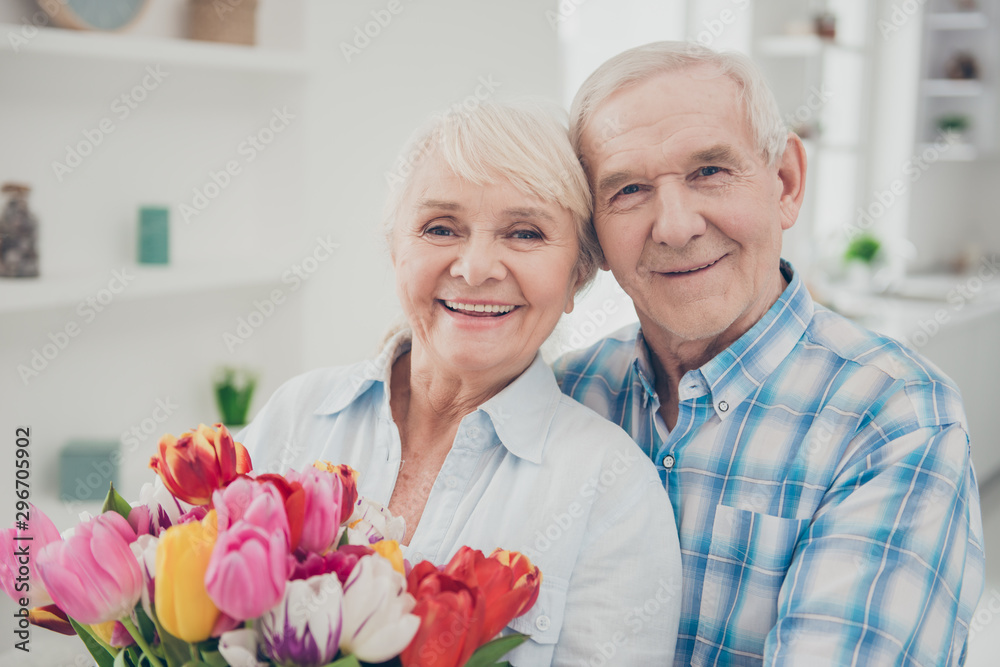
(631,67)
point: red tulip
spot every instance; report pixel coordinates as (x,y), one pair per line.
(51,617)
(200,462)
(451,619)
(348,486)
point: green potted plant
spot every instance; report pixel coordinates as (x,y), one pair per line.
(953,126)
(233,391)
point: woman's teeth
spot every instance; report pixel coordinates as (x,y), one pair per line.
(478,307)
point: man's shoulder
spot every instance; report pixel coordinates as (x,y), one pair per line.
(868,358)
(603,364)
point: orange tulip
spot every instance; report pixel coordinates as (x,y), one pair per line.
(451,619)
(507,581)
(199,462)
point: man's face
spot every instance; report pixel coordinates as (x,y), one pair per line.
(688,213)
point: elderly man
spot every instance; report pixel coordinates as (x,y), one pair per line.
(820,473)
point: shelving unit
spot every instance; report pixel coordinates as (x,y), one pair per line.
(166,51)
(947,32)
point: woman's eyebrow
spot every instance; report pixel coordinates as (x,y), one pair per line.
(529,212)
(440,204)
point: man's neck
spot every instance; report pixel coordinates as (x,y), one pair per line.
(673,356)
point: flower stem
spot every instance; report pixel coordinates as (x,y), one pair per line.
(195,656)
(141,641)
(107,647)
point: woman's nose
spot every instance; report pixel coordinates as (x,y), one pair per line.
(478,261)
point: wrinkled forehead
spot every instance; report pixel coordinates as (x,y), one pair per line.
(666,104)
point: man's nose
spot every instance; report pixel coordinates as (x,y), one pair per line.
(676,221)
(479,259)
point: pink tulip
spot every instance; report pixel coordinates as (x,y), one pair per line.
(248,570)
(18,570)
(324,498)
(258,504)
(92,575)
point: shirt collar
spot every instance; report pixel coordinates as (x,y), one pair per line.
(742,367)
(521,413)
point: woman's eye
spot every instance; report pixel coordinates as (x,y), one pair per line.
(709,171)
(629,189)
(526,234)
(439,231)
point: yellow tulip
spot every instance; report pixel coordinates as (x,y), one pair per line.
(389,549)
(182,604)
(104,630)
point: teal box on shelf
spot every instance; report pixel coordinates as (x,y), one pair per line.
(86,468)
(154,235)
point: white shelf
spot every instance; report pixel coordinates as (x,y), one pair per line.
(957,21)
(798,46)
(146,50)
(69,290)
(955,152)
(952,87)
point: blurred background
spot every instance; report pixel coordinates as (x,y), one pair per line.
(198,185)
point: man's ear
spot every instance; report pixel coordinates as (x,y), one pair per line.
(792,174)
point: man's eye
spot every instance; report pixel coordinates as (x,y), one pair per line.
(439,231)
(629,189)
(709,171)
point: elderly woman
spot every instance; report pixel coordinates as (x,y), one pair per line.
(458,425)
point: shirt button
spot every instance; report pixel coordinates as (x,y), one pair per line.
(417,557)
(542,623)
(668,461)
(451,482)
(723,406)
(474,432)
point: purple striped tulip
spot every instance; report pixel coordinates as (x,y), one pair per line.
(304,628)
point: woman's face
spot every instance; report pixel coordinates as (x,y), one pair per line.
(483,272)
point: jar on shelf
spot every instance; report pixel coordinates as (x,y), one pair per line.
(18,234)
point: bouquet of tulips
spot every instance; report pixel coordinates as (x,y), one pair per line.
(220,566)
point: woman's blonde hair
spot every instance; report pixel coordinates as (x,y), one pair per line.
(489,142)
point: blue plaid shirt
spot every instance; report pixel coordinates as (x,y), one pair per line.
(822,485)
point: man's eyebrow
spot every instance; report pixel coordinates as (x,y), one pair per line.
(718,154)
(441,204)
(529,212)
(613,181)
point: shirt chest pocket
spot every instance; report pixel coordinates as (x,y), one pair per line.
(748,558)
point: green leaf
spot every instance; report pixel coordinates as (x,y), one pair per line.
(98,652)
(214,658)
(115,503)
(146,626)
(120,660)
(488,654)
(175,651)
(346,661)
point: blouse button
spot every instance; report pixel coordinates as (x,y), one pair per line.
(474,432)
(542,623)
(451,482)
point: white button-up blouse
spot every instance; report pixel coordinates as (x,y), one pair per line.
(531,470)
